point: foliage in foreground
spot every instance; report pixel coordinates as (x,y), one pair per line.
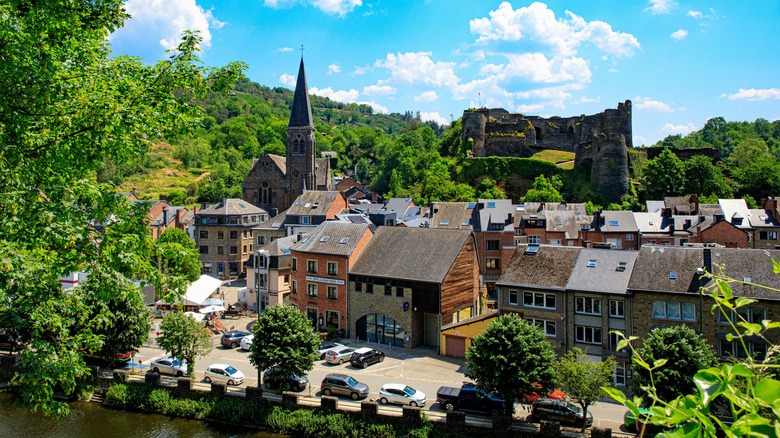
(582,379)
(260,414)
(748,387)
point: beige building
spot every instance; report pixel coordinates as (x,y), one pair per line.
(223,235)
(268,280)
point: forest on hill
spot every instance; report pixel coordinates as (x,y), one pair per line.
(398,155)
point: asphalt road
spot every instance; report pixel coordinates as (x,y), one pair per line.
(420,368)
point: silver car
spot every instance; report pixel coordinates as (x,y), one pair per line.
(169,365)
(223,373)
(402,395)
(338,355)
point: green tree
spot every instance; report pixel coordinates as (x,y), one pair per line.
(176,257)
(509,357)
(704,178)
(685,352)
(583,379)
(487,189)
(69,108)
(185,339)
(545,190)
(664,175)
(284,338)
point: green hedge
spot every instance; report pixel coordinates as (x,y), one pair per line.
(499,168)
(260,414)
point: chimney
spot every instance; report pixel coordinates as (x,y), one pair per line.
(708,259)
(165,217)
(597,219)
(695,199)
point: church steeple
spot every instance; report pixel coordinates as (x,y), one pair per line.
(301,108)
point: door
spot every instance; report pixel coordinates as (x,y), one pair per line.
(456,346)
(432,329)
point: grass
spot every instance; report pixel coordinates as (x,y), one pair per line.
(554,156)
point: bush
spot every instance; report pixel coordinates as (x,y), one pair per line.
(117,395)
(159,401)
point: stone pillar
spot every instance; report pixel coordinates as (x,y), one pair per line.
(601,432)
(218,389)
(183,386)
(152,378)
(120,376)
(550,428)
(254,393)
(456,418)
(329,404)
(411,415)
(368,410)
(289,399)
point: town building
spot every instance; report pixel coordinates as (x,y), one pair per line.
(223,235)
(410,282)
(269,278)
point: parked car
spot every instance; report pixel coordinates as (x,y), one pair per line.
(338,355)
(342,384)
(402,395)
(468,397)
(534,395)
(117,360)
(272,378)
(232,339)
(561,411)
(325,346)
(169,365)
(222,373)
(363,357)
(629,419)
(246,342)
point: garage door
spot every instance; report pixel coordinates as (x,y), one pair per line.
(456,346)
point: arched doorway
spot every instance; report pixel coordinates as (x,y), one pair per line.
(380,328)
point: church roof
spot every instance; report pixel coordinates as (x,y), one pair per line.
(300,115)
(280,161)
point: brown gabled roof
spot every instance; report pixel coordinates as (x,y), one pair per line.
(656,265)
(547,267)
(416,254)
(322,171)
(750,266)
(313,202)
(280,161)
(452,215)
(231,206)
(335,238)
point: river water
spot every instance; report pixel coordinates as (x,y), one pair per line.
(90,420)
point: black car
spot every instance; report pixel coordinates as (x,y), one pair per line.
(232,339)
(550,409)
(363,357)
(272,378)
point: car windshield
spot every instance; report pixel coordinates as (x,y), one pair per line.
(351,381)
(230,370)
(410,391)
(574,408)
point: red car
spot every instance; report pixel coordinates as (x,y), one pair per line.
(533,396)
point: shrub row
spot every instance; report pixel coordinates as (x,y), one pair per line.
(259,414)
(499,168)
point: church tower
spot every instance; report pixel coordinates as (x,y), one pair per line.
(301,145)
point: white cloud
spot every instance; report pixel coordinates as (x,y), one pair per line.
(647,103)
(660,6)
(678,129)
(490,69)
(433,116)
(287,79)
(695,14)
(754,94)
(639,140)
(285,49)
(529,109)
(585,99)
(679,34)
(537,68)
(379,90)
(165,22)
(427,96)
(418,68)
(334,68)
(362,70)
(538,23)
(377,107)
(338,95)
(332,7)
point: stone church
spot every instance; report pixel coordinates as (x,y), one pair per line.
(274,182)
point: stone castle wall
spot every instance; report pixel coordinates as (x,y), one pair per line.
(598,141)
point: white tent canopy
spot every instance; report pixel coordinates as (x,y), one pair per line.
(200,290)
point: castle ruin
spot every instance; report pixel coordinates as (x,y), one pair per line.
(598,141)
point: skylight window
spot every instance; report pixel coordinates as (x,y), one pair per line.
(613,223)
(242,205)
(286,251)
(315,205)
(444,222)
(531,250)
(465,223)
(746,279)
(673,275)
(471,205)
(592,263)
(276,224)
(324,239)
(621,267)
(308,204)
(491,205)
(298,202)
(520,208)
(344,240)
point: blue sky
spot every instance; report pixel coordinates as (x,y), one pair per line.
(680,62)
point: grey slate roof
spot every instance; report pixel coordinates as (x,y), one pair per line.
(327,238)
(416,254)
(625,222)
(750,265)
(312,203)
(495,211)
(280,245)
(399,206)
(321,165)
(453,215)
(760,218)
(654,265)
(300,114)
(734,210)
(549,268)
(275,223)
(652,223)
(605,274)
(654,206)
(568,221)
(232,206)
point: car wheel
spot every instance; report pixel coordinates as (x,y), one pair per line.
(326,391)
(156,370)
(449,407)
(365,364)
(383,401)
(179,374)
(341,361)
(233,345)
(355,396)
(230,382)
(413,404)
(322,356)
(381,358)
(207,379)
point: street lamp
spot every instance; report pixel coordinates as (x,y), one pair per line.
(699,273)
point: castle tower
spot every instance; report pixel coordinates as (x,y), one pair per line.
(301,145)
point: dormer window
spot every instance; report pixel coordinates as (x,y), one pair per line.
(621,267)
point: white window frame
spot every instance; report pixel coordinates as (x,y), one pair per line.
(335,268)
(535,240)
(309,264)
(619,376)
(311,290)
(335,294)
(581,305)
(614,339)
(509,297)
(586,334)
(629,237)
(544,298)
(620,307)
(673,310)
(549,327)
